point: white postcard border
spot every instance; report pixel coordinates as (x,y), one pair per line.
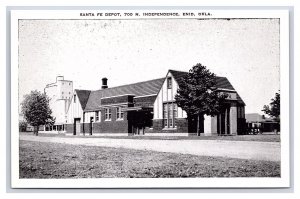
(283,181)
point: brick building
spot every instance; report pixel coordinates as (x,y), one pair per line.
(148,108)
(168,117)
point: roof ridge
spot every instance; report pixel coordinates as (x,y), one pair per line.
(188,72)
(128,84)
(81,89)
(178,71)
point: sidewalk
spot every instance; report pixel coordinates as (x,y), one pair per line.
(233,149)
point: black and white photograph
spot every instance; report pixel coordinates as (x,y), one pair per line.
(150,98)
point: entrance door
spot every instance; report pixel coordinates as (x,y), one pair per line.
(192,124)
(138,121)
(77,126)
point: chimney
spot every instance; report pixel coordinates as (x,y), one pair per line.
(104,83)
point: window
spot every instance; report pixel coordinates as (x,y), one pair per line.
(169,82)
(107,114)
(120,113)
(97,113)
(165,115)
(175,110)
(169,114)
(74,98)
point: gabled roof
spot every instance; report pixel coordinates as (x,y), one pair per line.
(240,100)
(139,89)
(221,82)
(83,96)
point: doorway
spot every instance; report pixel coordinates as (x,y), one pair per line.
(76,126)
(139,120)
(91,125)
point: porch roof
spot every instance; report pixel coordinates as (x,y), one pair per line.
(138,108)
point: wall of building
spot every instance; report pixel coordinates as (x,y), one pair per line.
(102,126)
(145,101)
(233,119)
(74,110)
(210,123)
(69,128)
(88,115)
(241,120)
(166,95)
(181,123)
(59,113)
(65,89)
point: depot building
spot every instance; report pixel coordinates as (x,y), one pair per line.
(149,108)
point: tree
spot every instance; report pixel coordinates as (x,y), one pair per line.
(273,110)
(22,126)
(36,110)
(198,94)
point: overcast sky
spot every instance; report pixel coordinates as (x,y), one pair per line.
(129,51)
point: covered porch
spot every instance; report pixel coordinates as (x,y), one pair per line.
(139,118)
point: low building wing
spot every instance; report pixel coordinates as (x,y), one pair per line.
(140,89)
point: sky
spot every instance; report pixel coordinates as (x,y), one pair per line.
(246,51)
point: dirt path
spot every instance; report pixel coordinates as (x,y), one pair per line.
(234,149)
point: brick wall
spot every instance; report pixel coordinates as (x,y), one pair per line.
(181,123)
(115,100)
(86,128)
(111,127)
(69,128)
(144,101)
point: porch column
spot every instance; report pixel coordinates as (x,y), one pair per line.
(207,125)
(214,125)
(226,122)
(233,119)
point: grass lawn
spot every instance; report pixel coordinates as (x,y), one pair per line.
(258,138)
(54,160)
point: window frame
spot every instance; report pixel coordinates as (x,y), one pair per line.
(97,116)
(107,114)
(165,115)
(169,82)
(119,113)
(169,115)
